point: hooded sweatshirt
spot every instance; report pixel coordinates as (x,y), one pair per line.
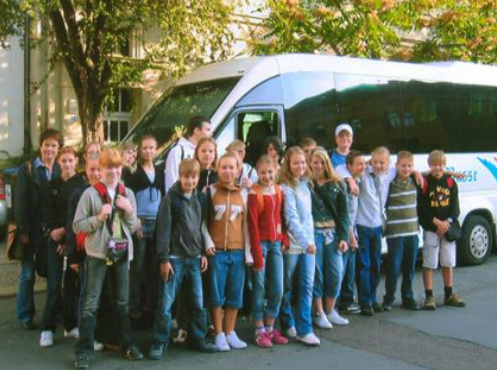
(181,235)
(227,219)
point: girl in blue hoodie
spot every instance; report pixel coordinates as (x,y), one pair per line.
(300,256)
(147,182)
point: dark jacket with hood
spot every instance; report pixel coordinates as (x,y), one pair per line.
(181,224)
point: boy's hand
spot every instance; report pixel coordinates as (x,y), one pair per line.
(354,189)
(124,204)
(342,246)
(311,249)
(246,183)
(166,270)
(353,242)
(210,251)
(203,264)
(418,177)
(24,238)
(105,212)
(61,250)
(75,267)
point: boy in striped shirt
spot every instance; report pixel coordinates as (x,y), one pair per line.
(401,233)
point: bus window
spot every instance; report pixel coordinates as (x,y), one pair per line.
(373,106)
(476,111)
(309,107)
(253,128)
(431,107)
(226,136)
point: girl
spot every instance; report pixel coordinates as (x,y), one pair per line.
(129,153)
(55,204)
(147,182)
(265,203)
(227,219)
(206,154)
(273,146)
(300,259)
(329,211)
(248,175)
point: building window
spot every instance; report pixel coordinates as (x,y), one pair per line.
(117,117)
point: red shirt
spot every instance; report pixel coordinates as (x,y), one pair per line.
(265,225)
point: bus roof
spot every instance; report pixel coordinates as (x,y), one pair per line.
(455,72)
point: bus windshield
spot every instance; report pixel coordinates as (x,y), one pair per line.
(167,119)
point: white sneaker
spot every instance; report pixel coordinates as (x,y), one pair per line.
(310,340)
(235,342)
(74,333)
(336,319)
(321,321)
(290,333)
(97,346)
(220,342)
(46,338)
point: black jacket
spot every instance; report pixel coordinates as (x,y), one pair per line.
(56,196)
(179,224)
(439,198)
(138,180)
(329,202)
(73,256)
(28,204)
(207,177)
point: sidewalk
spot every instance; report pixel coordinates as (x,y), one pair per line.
(9,275)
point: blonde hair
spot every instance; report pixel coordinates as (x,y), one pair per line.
(329,173)
(381,150)
(265,159)
(286,176)
(110,158)
(404,154)
(189,166)
(233,155)
(235,145)
(207,140)
(437,156)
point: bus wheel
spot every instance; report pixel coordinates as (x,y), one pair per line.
(476,243)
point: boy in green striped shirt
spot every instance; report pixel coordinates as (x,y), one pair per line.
(401,233)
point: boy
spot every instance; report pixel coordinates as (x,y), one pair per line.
(344,137)
(308,144)
(401,233)
(181,250)
(438,207)
(107,214)
(369,224)
(248,175)
(356,165)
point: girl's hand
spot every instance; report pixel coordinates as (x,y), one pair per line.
(166,270)
(258,266)
(311,249)
(105,212)
(124,204)
(210,251)
(61,249)
(249,264)
(203,264)
(24,238)
(57,234)
(75,267)
(342,246)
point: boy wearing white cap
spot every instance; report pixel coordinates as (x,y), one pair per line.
(343,137)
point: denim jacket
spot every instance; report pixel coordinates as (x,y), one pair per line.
(298,216)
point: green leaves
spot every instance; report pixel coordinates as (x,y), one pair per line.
(418,30)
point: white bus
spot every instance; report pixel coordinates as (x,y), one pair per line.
(416,107)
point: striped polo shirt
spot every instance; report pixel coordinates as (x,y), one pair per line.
(401,212)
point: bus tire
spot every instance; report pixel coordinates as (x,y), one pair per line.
(476,243)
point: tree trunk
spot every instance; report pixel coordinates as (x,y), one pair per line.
(91,120)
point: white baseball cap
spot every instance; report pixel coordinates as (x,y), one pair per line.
(343,127)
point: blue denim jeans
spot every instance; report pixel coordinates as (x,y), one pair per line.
(144,278)
(329,265)
(53,303)
(25,305)
(402,255)
(227,278)
(95,271)
(303,267)
(268,282)
(348,282)
(186,270)
(368,263)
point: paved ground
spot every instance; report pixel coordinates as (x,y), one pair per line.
(448,338)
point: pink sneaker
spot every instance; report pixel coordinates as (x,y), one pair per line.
(277,338)
(263,340)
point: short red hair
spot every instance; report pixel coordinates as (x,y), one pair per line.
(110,158)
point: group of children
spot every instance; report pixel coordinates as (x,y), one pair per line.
(301,230)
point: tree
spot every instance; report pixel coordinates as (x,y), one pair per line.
(86,35)
(415,30)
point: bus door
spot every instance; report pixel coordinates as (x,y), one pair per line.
(252,125)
